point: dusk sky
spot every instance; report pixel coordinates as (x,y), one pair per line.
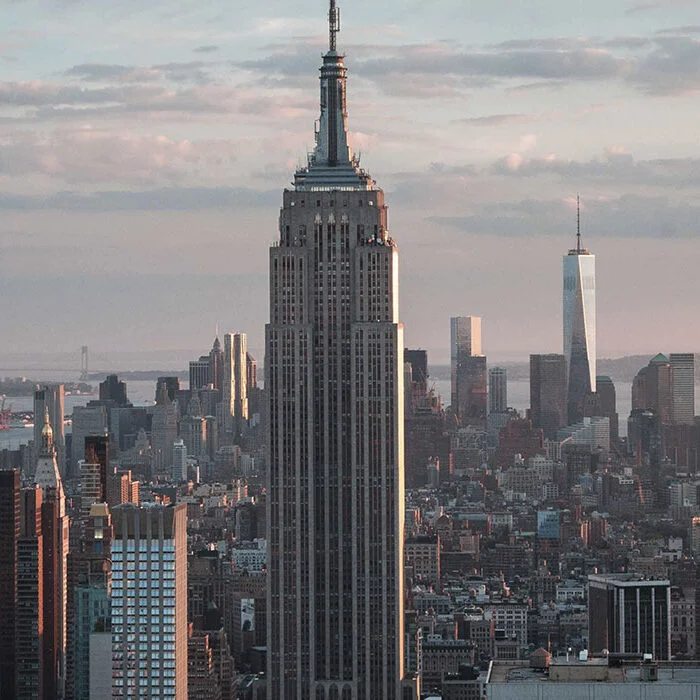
(144,148)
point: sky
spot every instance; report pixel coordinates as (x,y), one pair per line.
(144,148)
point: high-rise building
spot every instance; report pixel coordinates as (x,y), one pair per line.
(652,389)
(149,601)
(334,376)
(418,359)
(199,373)
(9,535)
(498,390)
(607,405)
(114,391)
(97,452)
(235,392)
(548,393)
(55,542)
(87,420)
(579,328)
(683,367)
(465,342)
(179,461)
(53,398)
(29,614)
(629,614)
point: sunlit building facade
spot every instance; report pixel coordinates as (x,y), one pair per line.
(334,373)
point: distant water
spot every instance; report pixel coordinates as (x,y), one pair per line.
(142,393)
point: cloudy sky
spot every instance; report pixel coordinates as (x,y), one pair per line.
(144,147)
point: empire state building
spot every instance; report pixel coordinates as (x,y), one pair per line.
(334,376)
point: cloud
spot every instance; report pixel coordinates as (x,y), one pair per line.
(211,48)
(90,156)
(161,199)
(496,119)
(629,216)
(646,5)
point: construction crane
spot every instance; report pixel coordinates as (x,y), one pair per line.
(5,415)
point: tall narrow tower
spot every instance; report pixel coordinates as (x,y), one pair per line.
(334,376)
(579,326)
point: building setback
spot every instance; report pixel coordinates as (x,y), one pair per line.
(334,373)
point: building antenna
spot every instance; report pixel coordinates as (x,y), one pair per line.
(578,224)
(333,25)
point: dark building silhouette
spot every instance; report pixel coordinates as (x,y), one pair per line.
(418,359)
(97,452)
(9,535)
(113,390)
(607,406)
(29,616)
(498,390)
(652,389)
(548,393)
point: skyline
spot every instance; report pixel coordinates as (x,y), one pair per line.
(155,148)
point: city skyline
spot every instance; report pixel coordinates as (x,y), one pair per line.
(184,136)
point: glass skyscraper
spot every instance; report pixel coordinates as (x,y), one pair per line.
(579,328)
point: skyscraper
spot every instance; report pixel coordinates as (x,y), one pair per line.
(579,328)
(235,392)
(55,538)
(9,535)
(465,342)
(548,393)
(683,367)
(498,390)
(53,398)
(149,601)
(334,373)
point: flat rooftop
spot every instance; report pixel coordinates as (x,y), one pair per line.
(593,670)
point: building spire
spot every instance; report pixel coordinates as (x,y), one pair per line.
(333,25)
(578,223)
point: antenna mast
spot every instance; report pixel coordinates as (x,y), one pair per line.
(578,224)
(333,25)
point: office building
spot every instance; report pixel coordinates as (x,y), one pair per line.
(235,391)
(179,461)
(465,343)
(55,541)
(418,359)
(53,398)
(607,406)
(548,393)
(334,378)
(113,391)
(579,328)
(629,614)
(200,373)
(9,535)
(683,368)
(87,420)
(29,614)
(149,601)
(652,389)
(498,390)
(91,619)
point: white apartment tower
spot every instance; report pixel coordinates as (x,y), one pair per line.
(579,328)
(334,375)
(149,601)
